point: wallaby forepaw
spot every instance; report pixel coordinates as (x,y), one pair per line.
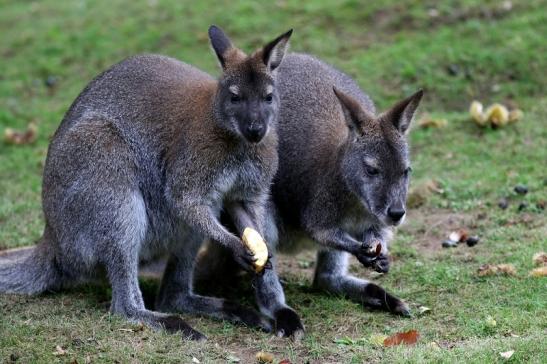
(288,324)
(174,324)
(381,264)
(402,309)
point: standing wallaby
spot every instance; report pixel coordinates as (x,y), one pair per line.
(142,164)
(342,179)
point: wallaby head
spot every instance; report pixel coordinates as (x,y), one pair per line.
(247,101)
(375,163)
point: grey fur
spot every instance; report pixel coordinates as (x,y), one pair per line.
(142,164)
(342,181)
(343,171)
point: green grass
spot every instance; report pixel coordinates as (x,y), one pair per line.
(468,49)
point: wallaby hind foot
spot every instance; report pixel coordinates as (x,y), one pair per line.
(176,292)
(331,275)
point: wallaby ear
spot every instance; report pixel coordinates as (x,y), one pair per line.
(401,114)
(353,112)
(220,43)
(273,52)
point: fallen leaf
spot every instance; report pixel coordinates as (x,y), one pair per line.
(540,258)
(423,309)
(195,360)
(377,339)
(232,359)
(420,193)
(285,361)
(429,122)
(539,272)
(515,115)
(494,269)
(59,351)
(17,137)
(406,338)
(507,354)
(433,345)
(490,322)
(264,357)
(344,341)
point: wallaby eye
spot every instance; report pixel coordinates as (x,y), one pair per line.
(371,171)
(234,99)
(269,98)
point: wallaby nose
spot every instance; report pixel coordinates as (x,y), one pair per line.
(396,213)
(255,132)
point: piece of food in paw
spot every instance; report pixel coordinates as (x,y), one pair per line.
(256,244)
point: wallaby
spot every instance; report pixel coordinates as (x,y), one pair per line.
(142,164)
(342,180)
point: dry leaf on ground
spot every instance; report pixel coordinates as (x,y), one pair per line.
(507,354)
(17,137)
(540,258)
(59,351)
(377,339)
(429,122)
(405,338)
(494,269)
(264,357)
(539,272)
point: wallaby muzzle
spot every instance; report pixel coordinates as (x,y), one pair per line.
(255,132)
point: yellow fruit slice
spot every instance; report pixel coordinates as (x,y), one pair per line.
(497,114)
(255,243)
(476,113)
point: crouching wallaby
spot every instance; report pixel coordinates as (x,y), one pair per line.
(142,164)
(342,179)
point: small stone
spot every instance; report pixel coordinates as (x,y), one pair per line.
(521,189)
(503,203)
(50,81)
(523,206)
(472,240)
(453,69)
(450,244)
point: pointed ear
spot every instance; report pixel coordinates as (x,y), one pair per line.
(401,114)
(273,52)
(354,114)
(220,43)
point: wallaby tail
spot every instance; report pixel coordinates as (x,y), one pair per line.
(28,270)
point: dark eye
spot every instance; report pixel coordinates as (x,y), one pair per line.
(371,171)
(235,99)
(268,98)
(407,172)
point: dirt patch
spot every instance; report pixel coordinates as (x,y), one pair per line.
(430,227)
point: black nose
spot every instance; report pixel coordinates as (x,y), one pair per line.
(255,132)
(395,214)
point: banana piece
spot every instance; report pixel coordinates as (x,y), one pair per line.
(497,114)
(255,243)
(476,113)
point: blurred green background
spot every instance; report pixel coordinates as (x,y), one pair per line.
(493,51)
